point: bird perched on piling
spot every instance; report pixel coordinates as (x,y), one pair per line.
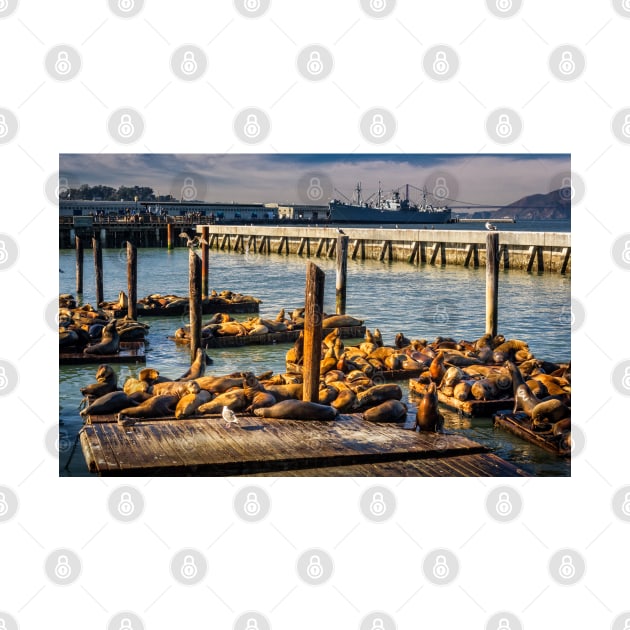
(490,226)
(229,416)
(340,231)
(196,241)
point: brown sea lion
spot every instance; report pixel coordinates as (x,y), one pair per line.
(155,407)
(261,399)
(291,391)
(428,417)
(170,387)
(298,410)
(378,338)
(344,401)
(235,400)
(197,368)
(219,384)
(378,394)
(110,341)
(341,321)
(107,382)
(523,397)
(189,403)
(562,426)
(132,385)
(109,403)
(437,369)
(388,411)
(551,410)
(295,354)
(461,391)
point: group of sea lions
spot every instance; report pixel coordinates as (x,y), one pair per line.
(177,302)
(269,396)
(223,325)
(84,325)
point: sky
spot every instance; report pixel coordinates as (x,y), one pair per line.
(493,179)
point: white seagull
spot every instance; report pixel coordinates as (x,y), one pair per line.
(196,241)
(340,230)
(490,226)
(229,416)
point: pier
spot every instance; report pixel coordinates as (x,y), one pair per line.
(531,251)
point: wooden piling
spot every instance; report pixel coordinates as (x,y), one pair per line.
(194,288)
(98,269)
(492,282)
(342,273)
(78,245)
(314,308)
(169,236)
(132,281)
(205,236)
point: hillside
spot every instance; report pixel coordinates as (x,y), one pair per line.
(554,206)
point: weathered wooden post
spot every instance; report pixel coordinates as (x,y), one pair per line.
(492,282)
(342,273)
(78,245)
(313,311)
(194,288)
(205,240)
(169,235)
(98,269)
(132,281)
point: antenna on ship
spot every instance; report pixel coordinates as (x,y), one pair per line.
(358,191)
(379,194)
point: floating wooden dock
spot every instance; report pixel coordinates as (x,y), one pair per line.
(348,445)
(207,308)
(471,408)
(519,424)
(130,352)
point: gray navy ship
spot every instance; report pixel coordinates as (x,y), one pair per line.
(386,209)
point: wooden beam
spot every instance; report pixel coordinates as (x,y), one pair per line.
(492,282)
(313,312)
(194,302)
(78,246)
(342,273)
(132,281)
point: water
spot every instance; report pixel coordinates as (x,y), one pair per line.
(422,301)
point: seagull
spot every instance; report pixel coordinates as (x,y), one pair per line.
(61,271)
(340,230)
(196,241)
(229,417)
(490,226)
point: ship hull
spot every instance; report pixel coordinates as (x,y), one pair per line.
(340,213)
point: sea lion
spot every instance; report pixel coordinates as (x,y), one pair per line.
(295,354)
(235,400)
(461,391)
(261,399)
(378,394)
(551,410)
(291,391)
(428,417)
(344,401)
(297,410)
(132,385)
(341,321)
(154,407)
(107,382)
(109,403)
(388,411)
(170,387)
(189,403)
(562,426)
(219,384)
(327,394)
(378,338)
(400,341)
(197,368)
(523,397)
(110,341)
(437,369)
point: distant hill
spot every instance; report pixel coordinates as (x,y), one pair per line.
(552,206)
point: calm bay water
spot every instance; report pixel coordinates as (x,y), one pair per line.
(422,301)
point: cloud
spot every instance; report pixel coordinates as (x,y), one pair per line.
(492,179)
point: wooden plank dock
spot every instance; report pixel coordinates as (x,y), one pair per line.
(130,352)
(205,446)
(289,336)
(471,408)
(519,424)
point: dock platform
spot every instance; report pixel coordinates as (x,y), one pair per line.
(207,308)
(130,352)
(347,446)
(520,425)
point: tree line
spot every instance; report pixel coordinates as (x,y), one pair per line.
(108,193)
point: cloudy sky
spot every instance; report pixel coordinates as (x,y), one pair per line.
(491,179)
